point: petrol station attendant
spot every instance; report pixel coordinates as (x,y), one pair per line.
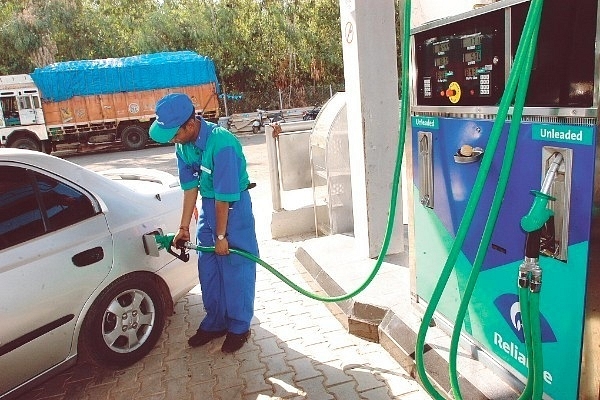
(210,161)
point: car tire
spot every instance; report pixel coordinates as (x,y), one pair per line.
(124,323)
(134,137)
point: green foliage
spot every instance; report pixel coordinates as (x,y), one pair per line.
(257,45)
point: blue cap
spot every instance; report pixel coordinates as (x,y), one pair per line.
(172,111)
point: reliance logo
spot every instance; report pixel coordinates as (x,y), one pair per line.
(510,309)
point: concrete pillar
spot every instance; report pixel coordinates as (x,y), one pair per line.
(371,79)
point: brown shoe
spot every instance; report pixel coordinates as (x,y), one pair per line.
(234,341)
(202,337)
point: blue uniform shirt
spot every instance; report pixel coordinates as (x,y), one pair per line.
(214,163)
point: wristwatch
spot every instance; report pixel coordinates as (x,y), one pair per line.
(221,237)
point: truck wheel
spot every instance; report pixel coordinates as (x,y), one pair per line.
(25,142)
(134,137)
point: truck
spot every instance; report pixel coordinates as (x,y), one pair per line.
(92,104)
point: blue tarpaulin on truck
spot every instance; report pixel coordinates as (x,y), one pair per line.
(63,80)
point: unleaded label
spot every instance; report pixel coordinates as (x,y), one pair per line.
(425,122)
(563,133)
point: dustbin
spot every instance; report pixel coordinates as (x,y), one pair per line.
(330,168)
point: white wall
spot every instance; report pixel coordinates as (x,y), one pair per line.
(429,10)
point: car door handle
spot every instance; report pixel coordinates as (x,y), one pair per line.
(88,257)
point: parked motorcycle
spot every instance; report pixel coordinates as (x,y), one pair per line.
(311,114)
(264,118)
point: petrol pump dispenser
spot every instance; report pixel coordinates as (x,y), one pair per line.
(460,71)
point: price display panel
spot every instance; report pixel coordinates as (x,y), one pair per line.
(462,63)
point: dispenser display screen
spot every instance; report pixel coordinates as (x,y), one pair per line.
(471,41)
(472,56)
(441,61)
(462,63)
(470,72)
(441,47)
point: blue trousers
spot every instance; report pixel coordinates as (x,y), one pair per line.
(228,282)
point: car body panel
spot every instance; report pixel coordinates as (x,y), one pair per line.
(52,293)
(45,297)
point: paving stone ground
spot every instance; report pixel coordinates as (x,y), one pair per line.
(297,349)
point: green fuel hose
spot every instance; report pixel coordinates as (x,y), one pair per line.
(166,241)
(527,43)
(490,225)
(536,339)
(526,316)
(270,268)
(530,315)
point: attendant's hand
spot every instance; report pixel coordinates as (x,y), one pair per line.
(222,247)
(182,234)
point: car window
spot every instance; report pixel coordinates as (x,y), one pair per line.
(63,204)
(32,204)
(20,216)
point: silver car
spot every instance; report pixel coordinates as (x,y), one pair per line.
(75,276)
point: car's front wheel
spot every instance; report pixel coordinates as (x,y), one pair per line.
(124,323)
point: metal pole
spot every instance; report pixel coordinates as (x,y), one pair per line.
(273,167)
(225,103)
(280,100)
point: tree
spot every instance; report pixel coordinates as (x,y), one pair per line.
(257,45)
(19,37)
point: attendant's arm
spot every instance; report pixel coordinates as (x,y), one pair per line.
(189,203)
(222,213)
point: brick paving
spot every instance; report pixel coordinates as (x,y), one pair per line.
(297,350)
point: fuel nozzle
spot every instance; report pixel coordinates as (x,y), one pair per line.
(539,212)
(530,273)
(551,173)
(166,242)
